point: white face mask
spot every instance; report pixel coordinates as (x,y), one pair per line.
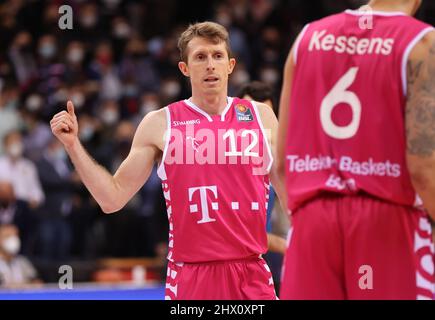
(121,31)
(11,245)
(34,102)
(149,106)
(15,150)
(240,77)
(270,76)
(89,20)
(109,117)
(78,99)
(171,89)
(75,55)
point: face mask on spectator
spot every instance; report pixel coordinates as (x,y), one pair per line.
(11,245)
(15,150)
(89,20)
(147,107)
(59,154)
(34,102)
(109,117)
(12,104)
(78,99)
(121,31)
(240,77)
(86,133)
(47,50)
(130,90)
(269,76)
(171,89)
(75,55)
(224,19)
(60,95)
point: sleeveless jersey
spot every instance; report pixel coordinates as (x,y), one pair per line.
(215,181)
(346,131)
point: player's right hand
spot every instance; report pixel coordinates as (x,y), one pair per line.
(65,127)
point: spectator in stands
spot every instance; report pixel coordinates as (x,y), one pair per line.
(15,270)
(9,116)
(21,172)
(55,232)
(36,132)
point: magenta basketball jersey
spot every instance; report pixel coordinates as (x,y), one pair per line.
(214,174)
(346,130)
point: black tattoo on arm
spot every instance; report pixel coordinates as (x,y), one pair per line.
(420,109)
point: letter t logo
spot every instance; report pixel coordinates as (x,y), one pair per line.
(204,206)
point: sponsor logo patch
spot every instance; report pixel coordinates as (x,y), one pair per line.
(243,113)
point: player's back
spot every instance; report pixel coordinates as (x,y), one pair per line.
(346,127)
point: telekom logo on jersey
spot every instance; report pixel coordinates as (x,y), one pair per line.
(206,194)
(204,203)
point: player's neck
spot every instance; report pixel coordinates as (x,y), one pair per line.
(407,7)
(211,104)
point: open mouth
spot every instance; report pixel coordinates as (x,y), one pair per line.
(211,79)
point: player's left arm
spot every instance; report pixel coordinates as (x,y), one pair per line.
(270,124)
(420,120)
(276,243)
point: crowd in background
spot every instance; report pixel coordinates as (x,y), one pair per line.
(118,63)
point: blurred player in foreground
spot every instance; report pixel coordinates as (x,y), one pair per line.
(357,144)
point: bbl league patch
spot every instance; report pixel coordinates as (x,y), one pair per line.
(243,113)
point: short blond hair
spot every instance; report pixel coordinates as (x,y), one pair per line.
(211,31)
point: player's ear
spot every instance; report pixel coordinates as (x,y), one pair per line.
(231,65)
(184,68)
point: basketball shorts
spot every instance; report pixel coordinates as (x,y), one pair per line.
(245,279)
(358,247)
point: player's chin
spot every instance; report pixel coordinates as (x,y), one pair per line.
(212,87)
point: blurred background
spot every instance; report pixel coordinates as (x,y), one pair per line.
(118,63)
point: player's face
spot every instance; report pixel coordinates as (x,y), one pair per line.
(208,65)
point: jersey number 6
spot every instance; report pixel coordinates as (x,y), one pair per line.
(340,94)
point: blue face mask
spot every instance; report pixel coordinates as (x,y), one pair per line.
(130,90)
(86,133)
(59,154)
(12,104)
(47,50)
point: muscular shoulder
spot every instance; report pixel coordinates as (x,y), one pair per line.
(420,109)
(425,47)
(151,130)
(421,65)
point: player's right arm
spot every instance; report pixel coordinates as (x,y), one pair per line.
(113,192)
(420,120)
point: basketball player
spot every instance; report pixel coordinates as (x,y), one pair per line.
(214,157)
(358,114)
